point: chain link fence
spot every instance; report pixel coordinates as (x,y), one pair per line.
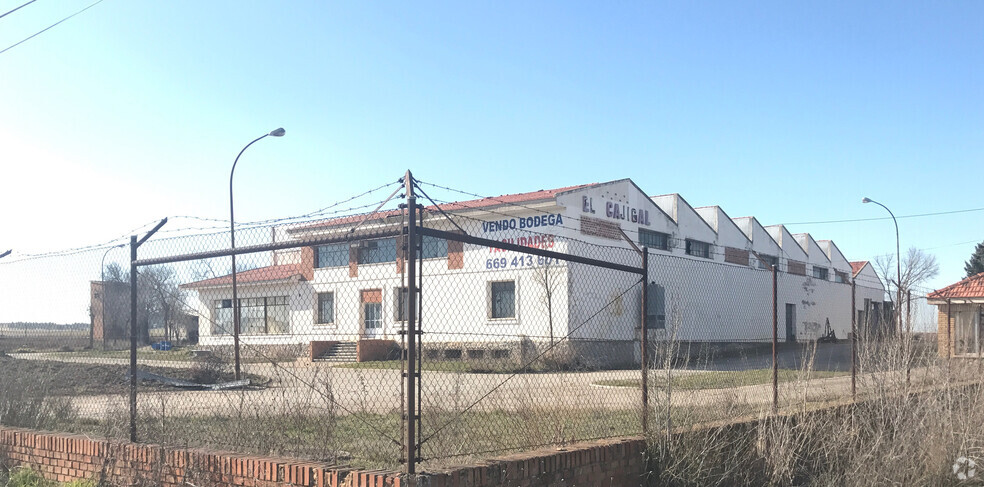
(401,337)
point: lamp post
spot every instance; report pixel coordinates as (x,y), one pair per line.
(898,263)
(232,234)
(102,311)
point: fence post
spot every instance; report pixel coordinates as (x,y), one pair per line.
(908,336)
(133,338)
(411,351)
(775,340)
(643,342)
(854,341)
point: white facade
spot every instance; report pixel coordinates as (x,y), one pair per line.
(712,275)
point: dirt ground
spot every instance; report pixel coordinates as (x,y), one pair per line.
(54,378)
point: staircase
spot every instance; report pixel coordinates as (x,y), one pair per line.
(338,352)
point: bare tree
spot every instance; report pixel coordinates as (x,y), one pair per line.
(547,278)
(917,268)
(158,297)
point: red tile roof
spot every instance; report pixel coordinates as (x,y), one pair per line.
(507,199)
(857,266)
(971,287)
(262,274)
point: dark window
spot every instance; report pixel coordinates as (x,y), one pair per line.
(333,255)
(766,261)
(326,308)
(654,240)
(820,273)
(697,248)
(840,277)
(433,248)
(655,307)
(503,299)
(257,316)
(377,251)
(400,299)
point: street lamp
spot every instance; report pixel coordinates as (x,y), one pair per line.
(232,234)
(102,282)
(898,263)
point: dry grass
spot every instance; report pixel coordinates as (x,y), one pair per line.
(900,432)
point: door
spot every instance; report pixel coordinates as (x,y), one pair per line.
(790,322)
(372,313)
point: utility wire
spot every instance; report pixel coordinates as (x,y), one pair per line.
(886,217)
(97,2)
(16,9)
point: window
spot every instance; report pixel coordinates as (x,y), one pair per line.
(257,316)
(820,273)
(377,251)
(654,240)
(796,267)
(655,307)
(372,314)
(503,296)
(697,248)
(840,277)
(766,261)
(333,255)
(400,299)
(433,248)
(326,308)
(222,319)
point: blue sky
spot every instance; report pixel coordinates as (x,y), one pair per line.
(789,111)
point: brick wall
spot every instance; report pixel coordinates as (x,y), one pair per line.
(65,457)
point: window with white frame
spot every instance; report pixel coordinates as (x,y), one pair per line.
(503,299)
(257,316)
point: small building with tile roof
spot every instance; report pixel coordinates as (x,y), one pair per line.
(961,317)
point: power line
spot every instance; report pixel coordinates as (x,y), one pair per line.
(886,217)
(18,8)
(97,2)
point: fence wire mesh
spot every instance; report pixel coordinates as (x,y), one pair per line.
(528,336)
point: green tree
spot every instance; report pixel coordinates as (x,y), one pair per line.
(976,263)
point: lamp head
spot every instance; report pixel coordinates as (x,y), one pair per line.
(866,200)
(279,132)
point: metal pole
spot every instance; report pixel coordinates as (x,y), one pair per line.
(908,335)
(854,341)
(102,282)
(412,372)
(232,236)
(643,342)
(133,338)
(775,340)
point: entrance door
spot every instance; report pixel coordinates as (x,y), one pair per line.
(790,322)
(372,313)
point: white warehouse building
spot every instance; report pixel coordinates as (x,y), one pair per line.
(708,277)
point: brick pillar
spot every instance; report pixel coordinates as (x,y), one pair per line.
(943,321)
(307,263)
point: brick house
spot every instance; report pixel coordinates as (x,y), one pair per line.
(961,316)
